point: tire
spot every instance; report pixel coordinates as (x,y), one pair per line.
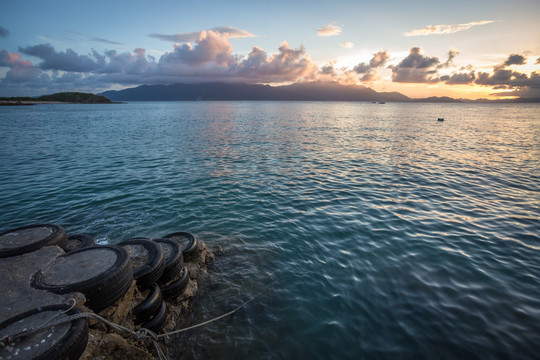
(63,341)
(158,321)
(30,238)
(177,287)
(144,311)
(174,260)
(78,241)
(102,273)
(149,269)
(187,241)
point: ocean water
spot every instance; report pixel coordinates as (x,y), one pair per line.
(356,231)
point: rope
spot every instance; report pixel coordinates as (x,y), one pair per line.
(208,321)
(142,334)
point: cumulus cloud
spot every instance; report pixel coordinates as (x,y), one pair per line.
(4,33)
(287,65)
(211,47)
(68,60)
(329,30)
(7,58)
(209,58)
(419,68)
(501,78)
(19,70)
(459,78)
(445,29)
(505,78)
(416,68)
(226,31)
(515,59)
(347,45)
(369,71)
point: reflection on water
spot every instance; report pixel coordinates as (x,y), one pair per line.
(361,230)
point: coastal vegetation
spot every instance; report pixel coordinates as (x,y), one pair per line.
(65,97)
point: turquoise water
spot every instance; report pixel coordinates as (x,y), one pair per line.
(361,231)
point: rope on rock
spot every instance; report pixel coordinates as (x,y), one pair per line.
(142,334)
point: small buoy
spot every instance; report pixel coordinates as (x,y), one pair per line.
(440,119)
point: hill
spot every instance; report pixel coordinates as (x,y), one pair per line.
(67,97)
(313,91)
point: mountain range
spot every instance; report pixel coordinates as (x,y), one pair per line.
(310,91)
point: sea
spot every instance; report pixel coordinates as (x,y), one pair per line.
(348,230)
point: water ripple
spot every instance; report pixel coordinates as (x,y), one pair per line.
(362,231)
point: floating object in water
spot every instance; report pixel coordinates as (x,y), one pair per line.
(440,119)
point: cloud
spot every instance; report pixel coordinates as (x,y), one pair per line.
(369,71)
(537,61)
(416,68)
(66,61)
(451,55)
(287,65)
(329,30)
(459,78)
(211,47)
(209,58)
(7,58)
(445,29)
(347,45)
(19,70)
(515,59)
(379,59)
(226,31)
(508,79)
(4,33)
(105,41)
(328,70)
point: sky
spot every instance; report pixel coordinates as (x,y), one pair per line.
(462,49)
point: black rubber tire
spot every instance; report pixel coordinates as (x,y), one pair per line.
(144,311)
(151,270)
(174,260)
(9,239)
(65,343)
(102,289)
(187,241)
(78,241)
(177,287)
(158,321)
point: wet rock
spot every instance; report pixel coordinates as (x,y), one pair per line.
(103,345)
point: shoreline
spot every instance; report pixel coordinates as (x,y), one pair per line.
(29,103)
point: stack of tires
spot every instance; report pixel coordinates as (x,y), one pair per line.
(103,273)
(158,268)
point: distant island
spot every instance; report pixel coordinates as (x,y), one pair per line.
(63,97)
(309,91)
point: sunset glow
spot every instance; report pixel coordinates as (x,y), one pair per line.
(419,51)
